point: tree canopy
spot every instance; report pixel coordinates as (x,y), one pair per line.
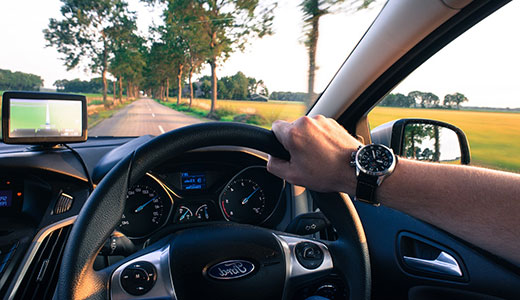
(89,32)
(19,81)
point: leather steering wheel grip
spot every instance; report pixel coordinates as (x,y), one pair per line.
(104,208)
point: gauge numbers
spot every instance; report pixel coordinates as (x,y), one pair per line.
(184,214)
(145,211)
(243,200)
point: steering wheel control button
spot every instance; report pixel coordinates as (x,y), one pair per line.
(138,278)
(309,255)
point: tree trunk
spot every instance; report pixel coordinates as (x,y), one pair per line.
(179,84)
(312,48)
(437,146)
(104,74)
(167,88)
(161,93)
(413,143)
(114,91)
(105,88)
(120,89)
(213,64)
(191,86)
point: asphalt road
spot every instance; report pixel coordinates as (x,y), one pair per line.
(143,116)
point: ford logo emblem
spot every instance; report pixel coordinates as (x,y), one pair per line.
(231,269)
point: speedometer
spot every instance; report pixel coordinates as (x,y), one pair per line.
(147,208)
(243,201)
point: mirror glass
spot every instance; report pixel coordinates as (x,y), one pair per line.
(432,143)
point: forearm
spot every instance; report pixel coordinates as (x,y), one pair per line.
(479,205)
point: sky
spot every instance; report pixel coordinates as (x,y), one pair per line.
(483,63)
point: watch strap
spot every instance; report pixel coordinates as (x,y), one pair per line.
(366,188)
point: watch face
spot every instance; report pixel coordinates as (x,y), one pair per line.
(375,159)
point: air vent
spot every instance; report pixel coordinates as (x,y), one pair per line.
(39,282)
(63,204)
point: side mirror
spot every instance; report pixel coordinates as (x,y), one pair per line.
(424,139)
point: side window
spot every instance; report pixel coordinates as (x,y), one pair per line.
(473,84)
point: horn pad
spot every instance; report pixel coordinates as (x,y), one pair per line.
(227,261)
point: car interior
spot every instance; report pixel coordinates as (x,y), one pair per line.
(165,217)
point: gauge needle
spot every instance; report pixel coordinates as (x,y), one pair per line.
(183,215)
(144,205)
(247,198)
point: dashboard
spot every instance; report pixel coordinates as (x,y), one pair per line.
(200,192)
(41,193)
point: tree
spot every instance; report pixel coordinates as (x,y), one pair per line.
(256,87)
(182,21)
(157,70)
(424,99)
(313,10)
(228,24)
(432,99)
(454,99)
(19,81)
(397,100)
(86,33)
(128,60)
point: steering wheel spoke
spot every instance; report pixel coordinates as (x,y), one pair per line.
(147,276)
(306,261)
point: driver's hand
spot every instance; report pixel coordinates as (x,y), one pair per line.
(320,151)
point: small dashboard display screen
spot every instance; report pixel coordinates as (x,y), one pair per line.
(45,118)
(6,199)
(193,180)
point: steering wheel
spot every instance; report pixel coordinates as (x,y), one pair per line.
(224,261)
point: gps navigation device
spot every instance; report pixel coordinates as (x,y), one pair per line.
(43,118)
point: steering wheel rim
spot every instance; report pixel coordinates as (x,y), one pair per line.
(104,208)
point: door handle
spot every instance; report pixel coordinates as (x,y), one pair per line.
(444,264)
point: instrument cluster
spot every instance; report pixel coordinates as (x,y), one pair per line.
(192,194)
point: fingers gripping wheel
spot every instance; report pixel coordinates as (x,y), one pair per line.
(104,208)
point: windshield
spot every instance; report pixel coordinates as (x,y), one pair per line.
(151,66)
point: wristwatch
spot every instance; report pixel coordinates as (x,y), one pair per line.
(373,164)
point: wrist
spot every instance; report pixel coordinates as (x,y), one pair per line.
(348,178)
(372,164)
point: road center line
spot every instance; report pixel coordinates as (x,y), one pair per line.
(160,128)
(153,115)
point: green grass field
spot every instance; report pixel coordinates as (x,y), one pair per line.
(270,111)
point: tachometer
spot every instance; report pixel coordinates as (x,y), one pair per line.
(147,208)
(243,200)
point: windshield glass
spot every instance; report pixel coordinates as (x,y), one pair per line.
(151,66)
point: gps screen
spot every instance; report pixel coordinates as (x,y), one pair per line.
(45,118)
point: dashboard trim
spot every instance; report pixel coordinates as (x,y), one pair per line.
(31,252)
